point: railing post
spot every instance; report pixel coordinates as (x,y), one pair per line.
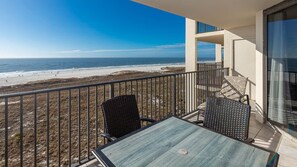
(6,132)
(174,96)
(111,90)
(222,73)
(207,85)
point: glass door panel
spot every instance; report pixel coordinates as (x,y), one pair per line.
(282,68)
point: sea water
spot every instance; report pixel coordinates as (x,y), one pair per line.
(52,64)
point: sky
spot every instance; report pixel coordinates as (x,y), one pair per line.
(90,28)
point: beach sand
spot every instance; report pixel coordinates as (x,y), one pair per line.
(27,81)
(11,79)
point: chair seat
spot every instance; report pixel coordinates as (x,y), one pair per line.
(228,117)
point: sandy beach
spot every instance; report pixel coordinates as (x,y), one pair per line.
(28,81)
(18,78)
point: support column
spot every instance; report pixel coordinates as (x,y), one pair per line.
(218,53)
(190,64)
(261,93)
(191,45)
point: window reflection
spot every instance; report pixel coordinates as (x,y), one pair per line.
(282,68)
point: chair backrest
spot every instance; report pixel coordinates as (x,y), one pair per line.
(121,115)
(233,87)
(228,117)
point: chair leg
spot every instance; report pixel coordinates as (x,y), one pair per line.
(198,121)
(250,140)
(198,114)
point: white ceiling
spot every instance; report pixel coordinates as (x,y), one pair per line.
(212,37)
(221,13)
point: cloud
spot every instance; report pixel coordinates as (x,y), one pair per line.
(119,50)
(179,45)
(155,48)
(69,51)
(204,43)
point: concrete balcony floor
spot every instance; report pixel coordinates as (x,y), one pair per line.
(266,136)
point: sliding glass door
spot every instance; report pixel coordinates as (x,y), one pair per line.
(282,68)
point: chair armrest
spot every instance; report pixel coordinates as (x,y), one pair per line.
(108,137)
(217,93)
(249,140)
(198,122)
(147,120)
(247,98)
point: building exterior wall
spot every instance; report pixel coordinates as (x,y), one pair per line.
(240,55)
(243,54)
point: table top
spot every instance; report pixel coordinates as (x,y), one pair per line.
(176,142)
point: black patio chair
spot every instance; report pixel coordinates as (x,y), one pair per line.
(121,117)
(228,117)
(233,87)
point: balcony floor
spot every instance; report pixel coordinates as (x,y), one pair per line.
(266,136)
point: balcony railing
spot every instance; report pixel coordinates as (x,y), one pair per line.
(202,28)
(59,127)
(209,66)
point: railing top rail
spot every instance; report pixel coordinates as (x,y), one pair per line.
(9,95)
(211,63)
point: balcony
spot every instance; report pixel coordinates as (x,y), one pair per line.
(204,28)
(59,127)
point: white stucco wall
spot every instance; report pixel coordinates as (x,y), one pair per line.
(239,55)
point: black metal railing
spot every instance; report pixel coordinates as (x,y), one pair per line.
(284,101)
(202,28)
(59,127)
(209,66)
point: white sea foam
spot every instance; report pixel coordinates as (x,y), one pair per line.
(20,77)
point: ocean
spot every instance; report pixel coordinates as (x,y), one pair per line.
(48,64)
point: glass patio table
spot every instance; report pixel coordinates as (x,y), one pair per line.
(176,142)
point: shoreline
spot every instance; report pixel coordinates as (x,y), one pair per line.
(19,78)
(14,73)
